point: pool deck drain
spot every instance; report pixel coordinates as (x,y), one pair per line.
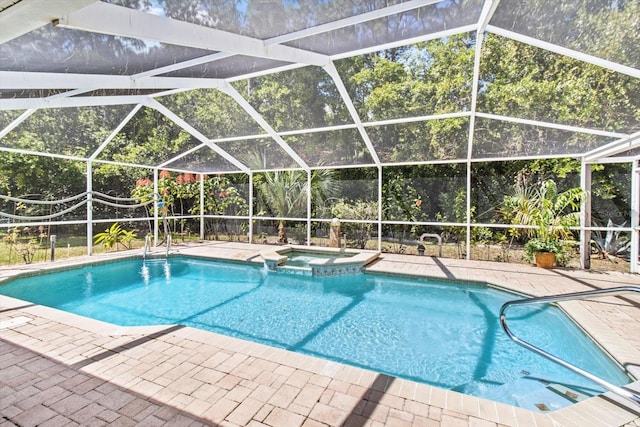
(60,369)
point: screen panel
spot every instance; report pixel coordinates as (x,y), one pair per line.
(77,131)
(303,98)
(602,28)
(149,139)
(203,160)
(444,139)
(231,66)
(262,19)
(63,50)
(414,23)
(213,113)
(497,138)
(524,81)
(331,148)
(259,154)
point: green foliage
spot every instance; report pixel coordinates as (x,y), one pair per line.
(24,242)
(400,200)
(550,213)
(612,244)
(283,194)
(358,210)
(113,236)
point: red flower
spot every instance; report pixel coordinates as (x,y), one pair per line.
(165,174)
(222,194)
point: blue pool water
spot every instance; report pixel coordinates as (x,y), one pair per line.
(299,258)
(433,332)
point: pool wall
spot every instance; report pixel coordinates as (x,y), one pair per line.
(330,261)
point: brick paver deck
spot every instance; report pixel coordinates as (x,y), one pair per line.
(59,369)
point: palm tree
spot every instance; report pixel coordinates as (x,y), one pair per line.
(283,194)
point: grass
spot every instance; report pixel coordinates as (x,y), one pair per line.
(69,247)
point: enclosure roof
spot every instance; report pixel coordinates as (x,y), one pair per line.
(122,57)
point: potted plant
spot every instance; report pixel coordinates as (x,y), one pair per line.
(550,214)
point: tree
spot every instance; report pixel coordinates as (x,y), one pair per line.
(283,194)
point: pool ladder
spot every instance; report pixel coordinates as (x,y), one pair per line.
(620,391)
(147,246)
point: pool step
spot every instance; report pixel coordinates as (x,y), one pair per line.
(530,393)
(568,393)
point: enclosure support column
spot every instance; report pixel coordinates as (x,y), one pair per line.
(309,207)
(89,209)
(487,11)
(201,207)
(635,220)
(585,217)
(380,208)
(468,209)
(156,207)
(250,207)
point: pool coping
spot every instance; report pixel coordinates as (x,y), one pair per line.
(358,259)
(587,412)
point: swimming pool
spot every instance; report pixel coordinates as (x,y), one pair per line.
(297,258)
(438,333)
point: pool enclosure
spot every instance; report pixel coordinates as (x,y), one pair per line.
(402,118)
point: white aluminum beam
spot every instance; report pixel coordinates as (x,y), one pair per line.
(116,131)
(319,29)
(619,68)
(80,101)
(406,42)
(38,80)
(183,154)
(122,21)
(16,122)
(184,64)
(613,148)
(472,123)
(353,20)
(552,125)
(233,93)
(417,119)
(488,10)
(635,217)
(28,15)
(333,72)
(152,103)
(42,154)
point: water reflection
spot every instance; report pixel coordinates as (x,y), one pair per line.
(144,272)
(88,280)
(167,272)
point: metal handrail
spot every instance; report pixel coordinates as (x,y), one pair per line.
(435,236)
(147,246)
(621,391)
(168,239)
